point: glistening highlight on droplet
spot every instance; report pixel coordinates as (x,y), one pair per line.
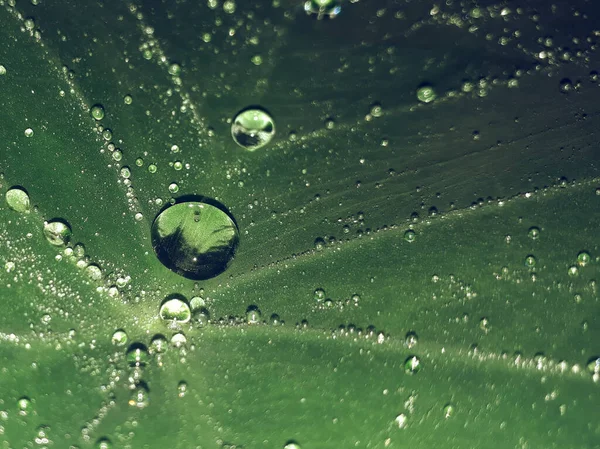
(195,239)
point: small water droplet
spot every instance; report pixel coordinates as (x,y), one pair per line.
(140,396)
(94,272)
(530,261)
(534,232)
(181,389)
(411,339)
(323,8)
(253,315)
(412,364)
(410,236)
(25,406)
(158,344)
(319,294)
(103,443)
(127,99)
(137,355)
(175,309)
(152,168)
(253,129)
(583,258)
(57,232)
(448,411)
(119,338)
(97,112)
(28,132)
(426,93)
(18,199)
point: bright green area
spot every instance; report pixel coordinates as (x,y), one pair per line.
(418,309)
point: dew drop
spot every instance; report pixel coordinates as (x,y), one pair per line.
(253,129)
(57,232)
(323,8)
(18,199)
(426,93)
(94,272)
(292,445)
(181,389)
(137,355)
(253,315)
(140,396)
(119,338)
(319,294)
(25,406)
(411,340)
(127,99)
(583,258)
(158,344)
(175,309)
(103,443)
(97,112)
(530,261)
(179,339)
(196,240)
(448,411)
(28,132)
(410,236)
(534,233)
(201,317)
(173,187)
(412,365)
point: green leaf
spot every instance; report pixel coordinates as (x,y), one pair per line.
(387,289)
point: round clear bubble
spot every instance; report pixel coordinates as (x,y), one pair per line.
(17,199)
(253,128)
(194,239)
(57,232)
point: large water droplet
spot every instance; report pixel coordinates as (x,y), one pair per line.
(323,8)
(253,128)
(17,199)
(57,232)
(196,240)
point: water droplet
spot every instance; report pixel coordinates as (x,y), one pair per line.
(201,317)
(426,94)
(292,445)
(28,132)
(593,365)
(583,258)
(573,271)
(97,112)
(57,232)
(17,199)
(253,315)
(137,355)
(152,168)
(401,420)
(275,320)
(410,236)
(376,110)
(412,365)
(530,261)
(173,188)
(175,309)
(174,69)
(94,272)
(158,344)
(411,339)
(103,443)
(253,129)
(127,99)
(2,70)
(319,244)
(195,240)
(448,411)
(179,339)
(25,406)
(181,389)
(140,396)
(139,162)
(119,338)
(177,165)
(323,8)
(534,232)
(229,6)
(125,172)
